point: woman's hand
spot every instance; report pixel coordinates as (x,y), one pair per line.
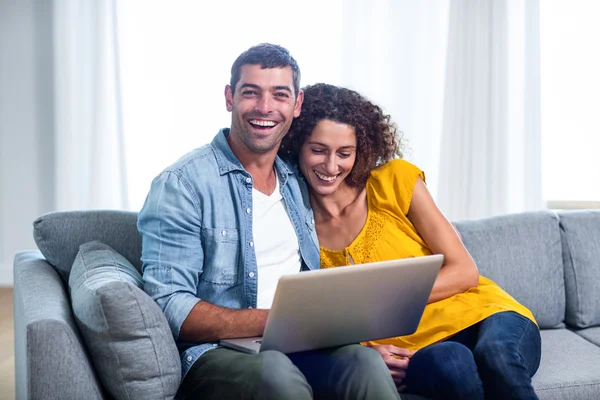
(396,359)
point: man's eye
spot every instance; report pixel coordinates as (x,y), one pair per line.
(248,92)
(284,95)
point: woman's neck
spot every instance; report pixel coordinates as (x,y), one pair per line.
(333,205)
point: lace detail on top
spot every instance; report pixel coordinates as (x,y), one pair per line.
(361,249)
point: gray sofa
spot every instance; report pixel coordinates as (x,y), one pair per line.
(548,261)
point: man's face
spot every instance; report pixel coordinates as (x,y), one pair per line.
(263,107)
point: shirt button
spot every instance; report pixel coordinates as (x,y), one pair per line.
(312,221)
(223,233)
(251,274)
(189,358)
(248,210)
(250,307)
(248,180)
(251,244)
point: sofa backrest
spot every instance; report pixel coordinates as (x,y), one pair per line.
(550,262)
(59,234)
(580,234)
(522,253)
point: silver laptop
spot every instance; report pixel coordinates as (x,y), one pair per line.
(337,306)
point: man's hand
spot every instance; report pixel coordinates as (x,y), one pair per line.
(396,359)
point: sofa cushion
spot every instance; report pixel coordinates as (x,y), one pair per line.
(125,331)
(590,334)
(581,244)
(522,253)
(59,234)
(569,367)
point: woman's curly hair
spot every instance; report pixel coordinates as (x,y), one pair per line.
(377,138)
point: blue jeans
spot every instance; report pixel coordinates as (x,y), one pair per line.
(493,359)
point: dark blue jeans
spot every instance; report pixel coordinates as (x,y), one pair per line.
(494,359)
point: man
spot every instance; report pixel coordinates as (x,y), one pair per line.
(220,227)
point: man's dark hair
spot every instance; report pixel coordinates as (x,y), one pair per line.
(267,56)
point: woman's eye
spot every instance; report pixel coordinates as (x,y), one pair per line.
(317,151)
(345,155)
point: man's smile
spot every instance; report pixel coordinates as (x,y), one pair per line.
(262,124)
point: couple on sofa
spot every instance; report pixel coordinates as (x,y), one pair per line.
(226,221)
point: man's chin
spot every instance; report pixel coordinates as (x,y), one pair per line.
(266,141)
(262,146)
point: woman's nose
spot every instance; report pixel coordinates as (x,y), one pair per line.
(331,165)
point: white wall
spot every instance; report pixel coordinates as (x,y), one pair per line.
(26,124)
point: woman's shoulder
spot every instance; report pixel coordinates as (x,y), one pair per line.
(396,169)
(390,186)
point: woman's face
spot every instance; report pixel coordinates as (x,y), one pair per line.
(328,156)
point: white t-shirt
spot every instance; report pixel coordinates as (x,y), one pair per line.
(275,243)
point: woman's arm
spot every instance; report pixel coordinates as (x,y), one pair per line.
(459,272)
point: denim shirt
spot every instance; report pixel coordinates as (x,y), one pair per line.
(197,244)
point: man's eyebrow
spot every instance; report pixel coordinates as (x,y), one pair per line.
(249,85)
(275,88)
(286,88)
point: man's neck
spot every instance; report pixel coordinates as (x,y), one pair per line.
(259,165)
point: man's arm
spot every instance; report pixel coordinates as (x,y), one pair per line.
(173,259)
(207,323)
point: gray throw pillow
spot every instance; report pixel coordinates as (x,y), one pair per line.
(127,335)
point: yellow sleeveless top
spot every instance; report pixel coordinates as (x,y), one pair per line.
(388,234)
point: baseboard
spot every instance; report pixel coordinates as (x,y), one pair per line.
(6,274)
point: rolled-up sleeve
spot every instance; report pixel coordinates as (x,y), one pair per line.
(172,254)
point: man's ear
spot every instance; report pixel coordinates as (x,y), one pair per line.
(298,105)
(228,98)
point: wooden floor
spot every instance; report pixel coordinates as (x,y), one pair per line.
(7,348)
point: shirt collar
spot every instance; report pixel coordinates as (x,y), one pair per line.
(228,162)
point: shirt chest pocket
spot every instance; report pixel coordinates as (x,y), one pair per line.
(221,256)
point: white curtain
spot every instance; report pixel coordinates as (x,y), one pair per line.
(460,78)
(90,164)
(490,158)
(395,53)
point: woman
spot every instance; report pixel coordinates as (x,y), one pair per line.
(474,340)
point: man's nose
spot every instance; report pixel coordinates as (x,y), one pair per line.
(264,105)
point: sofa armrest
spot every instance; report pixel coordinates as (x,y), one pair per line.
(50,358)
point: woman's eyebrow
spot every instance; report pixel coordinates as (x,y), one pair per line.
(324,145)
